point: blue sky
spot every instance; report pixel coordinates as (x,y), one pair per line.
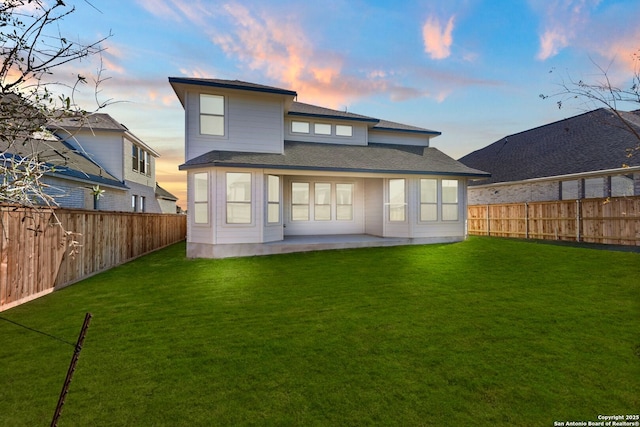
(470,69)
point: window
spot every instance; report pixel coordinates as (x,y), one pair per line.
(344,202)
(449,200)
(142,204)
(569,190)
(134,157)
(594,187)
(238,198)
(300,201)
(622,185)
(428,200)
(299,127)
(322,205)
(273,199)
(212,115)
(147,163)
(397,200)
(134,203)
(344,130)
(322,129)
(201,198)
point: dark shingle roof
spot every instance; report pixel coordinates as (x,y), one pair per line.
(231,84)
(161,193)
(376,158)
(592,141)
(65,159)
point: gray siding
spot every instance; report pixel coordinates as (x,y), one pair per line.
(402,138)
(253,124)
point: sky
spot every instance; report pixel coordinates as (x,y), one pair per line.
(471,69)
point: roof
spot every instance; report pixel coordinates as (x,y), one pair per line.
(67,161)
(97,122)
(593,141)
(161,193)
(374,158)
(231,84)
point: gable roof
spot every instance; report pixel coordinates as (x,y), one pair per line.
(593,141)
(374,158)
(67,161)
(97,122)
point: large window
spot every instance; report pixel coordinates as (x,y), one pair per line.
(134,158)
(344,202)
(622,185)
(140,160)
(322,205)
(428,200)
(397,200)
(594,187)
(273,199)
(238,198)
(569,190)
(201,198)
(212,115)
(449,200)
(300,201)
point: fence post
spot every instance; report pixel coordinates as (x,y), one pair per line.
(526,220)
(488,221)
(578,220)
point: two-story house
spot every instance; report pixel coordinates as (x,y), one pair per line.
(267,174)
(123,156)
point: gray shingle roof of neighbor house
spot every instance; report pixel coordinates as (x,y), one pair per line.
(593,141)
(374,158)
(161,193)
(67,161)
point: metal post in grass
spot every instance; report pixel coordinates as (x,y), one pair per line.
(71,370)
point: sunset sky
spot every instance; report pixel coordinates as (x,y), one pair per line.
(470,69)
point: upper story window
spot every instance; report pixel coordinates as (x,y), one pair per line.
(211,115)
(344,130)
(140,160)
(322,129)
(299,127)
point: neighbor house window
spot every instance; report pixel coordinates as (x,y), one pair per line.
(142,204)
(134,203)
(621,185)
(322,198)
(397,200)
(322,129)
(134,157)
(300,201)
(569,190)
(299,127)
(212,115)
(238,198)
(594,188)
(273,199)
(344,202)
(201,198)
(428,200)
(449,200)
(344,130)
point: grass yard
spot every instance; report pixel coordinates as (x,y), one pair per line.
(483,332)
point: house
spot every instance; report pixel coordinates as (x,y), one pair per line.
(121,156)
(590,155)
(267,174)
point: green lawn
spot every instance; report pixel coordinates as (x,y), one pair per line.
(483,332)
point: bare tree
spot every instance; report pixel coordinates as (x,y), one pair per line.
(603,92)
(32,48)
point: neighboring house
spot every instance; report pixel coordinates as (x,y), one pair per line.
(122,156)
(590,155)
(75,176)
(264,170)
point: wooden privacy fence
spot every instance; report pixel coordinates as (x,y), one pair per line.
(38,256)
(607,221)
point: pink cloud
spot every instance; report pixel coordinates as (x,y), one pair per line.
(437,38)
